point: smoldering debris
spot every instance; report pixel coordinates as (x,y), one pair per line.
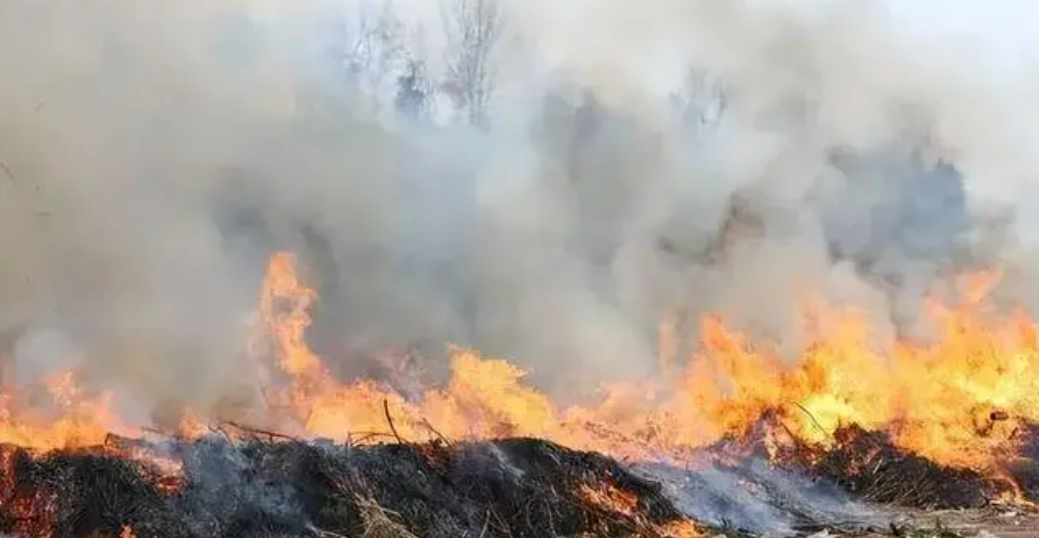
(255,483)
(862,465)
(870,466)
(524,488)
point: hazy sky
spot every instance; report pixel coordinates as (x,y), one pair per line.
(1004,31)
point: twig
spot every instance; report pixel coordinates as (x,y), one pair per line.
(430,427)
(268,433)
(364,436)
(486,521)
(389,419)
(812,418)
(502,525)
(324,533)
(220,429)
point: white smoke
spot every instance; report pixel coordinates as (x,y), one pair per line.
(155,153)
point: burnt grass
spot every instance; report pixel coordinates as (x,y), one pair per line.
(521,488)
(868,465)
(1025,466)
(515,488)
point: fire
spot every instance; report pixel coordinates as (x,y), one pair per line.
(282,291)
(70,418)
(610,498)
(607,496)
(956,401)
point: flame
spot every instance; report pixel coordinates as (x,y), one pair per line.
(956,401)
(72,418)
(608,497)
(284,302)
(680,529)
(611,498)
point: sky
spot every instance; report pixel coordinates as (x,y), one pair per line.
(1005,32)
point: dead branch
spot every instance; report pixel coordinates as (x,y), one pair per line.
(258,431)
(428,426)
(389,420)
(364,436)
(323,533)
(812,418)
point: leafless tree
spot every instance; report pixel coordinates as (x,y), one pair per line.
(375,49)
(412,94)
(365,53)
(702,101)
(473,29)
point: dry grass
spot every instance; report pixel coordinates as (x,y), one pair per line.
(380,522)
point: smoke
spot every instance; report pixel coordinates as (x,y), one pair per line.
(154,154)
(759,498)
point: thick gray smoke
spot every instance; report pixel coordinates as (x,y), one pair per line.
(557,210)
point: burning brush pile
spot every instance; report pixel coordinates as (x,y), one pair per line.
(741,443)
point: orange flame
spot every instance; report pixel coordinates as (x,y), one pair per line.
(74,420)
(958,400)
(608,497)
(939,400)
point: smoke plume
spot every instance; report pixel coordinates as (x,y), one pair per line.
(154,153)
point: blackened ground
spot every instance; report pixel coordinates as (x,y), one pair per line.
(869,466)
(521,488)
(1024,468)
(74,494)
(517,488)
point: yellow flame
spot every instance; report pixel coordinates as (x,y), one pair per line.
(936,400)
(74,420)
(958,400)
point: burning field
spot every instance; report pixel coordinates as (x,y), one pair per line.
(517,269)
(845,441)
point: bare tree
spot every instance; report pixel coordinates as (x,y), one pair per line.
(374,49)
(473,29)
(412,90)
(361,60)
(702,101)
